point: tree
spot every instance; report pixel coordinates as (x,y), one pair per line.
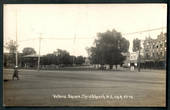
(63,56)
(59,57)
(108,48)
(80,60)
(11,46)
(28,51)
(137,47)
(49,59)
(91,54)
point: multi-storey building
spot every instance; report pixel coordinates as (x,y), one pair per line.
(160,48)
(155,48)
(148,46)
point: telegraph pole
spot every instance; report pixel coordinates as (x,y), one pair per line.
(139,61)
(74,48)
(16,53)
(39,52)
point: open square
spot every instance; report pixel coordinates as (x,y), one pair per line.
(146,88)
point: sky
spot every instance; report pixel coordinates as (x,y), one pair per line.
(73,27)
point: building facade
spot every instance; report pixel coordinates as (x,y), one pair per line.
(155,49)
(155,52)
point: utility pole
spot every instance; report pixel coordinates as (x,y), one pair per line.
(16,52)
(39,52)
(74,48)
(139,61)
(139,54)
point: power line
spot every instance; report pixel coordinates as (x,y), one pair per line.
(62,38)
(53,38)
(84,38)
(145,31)
(27,40)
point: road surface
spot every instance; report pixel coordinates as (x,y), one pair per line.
(85,88)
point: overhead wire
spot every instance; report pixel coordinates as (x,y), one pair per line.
(84,38)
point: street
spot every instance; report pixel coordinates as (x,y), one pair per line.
(85,88)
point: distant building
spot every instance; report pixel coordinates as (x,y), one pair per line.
(149,45)
(155,48)
(160,48)
(134,58)
(155,52)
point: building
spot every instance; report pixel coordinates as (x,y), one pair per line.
(134,58)
(155,48)
(155,51)
(160,47)
(149,45)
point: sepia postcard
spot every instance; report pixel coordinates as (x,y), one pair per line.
(98,55)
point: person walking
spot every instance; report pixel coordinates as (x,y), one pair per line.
(15,75)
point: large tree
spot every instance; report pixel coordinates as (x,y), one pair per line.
(49,59)
(108,48)
(11,46)
(80,60)
(58,57)
(10,58)
(28,51)
(63,56)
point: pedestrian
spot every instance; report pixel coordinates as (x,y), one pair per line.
(132,68)
(15,75)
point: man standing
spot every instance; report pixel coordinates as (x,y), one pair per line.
(15,75)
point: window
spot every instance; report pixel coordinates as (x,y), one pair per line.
(160,53)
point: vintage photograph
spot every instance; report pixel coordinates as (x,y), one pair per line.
(101,55)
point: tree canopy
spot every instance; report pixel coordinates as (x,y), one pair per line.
(11,46)
(28,51)
(61,57)
(108,48)
(80,60)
